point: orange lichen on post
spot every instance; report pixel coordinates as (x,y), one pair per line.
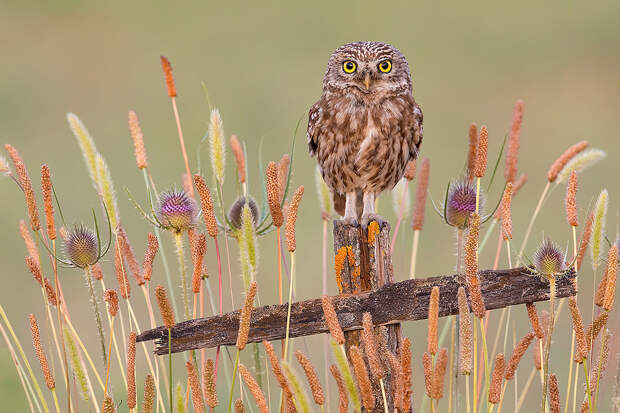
(421,194)
(512,154)
(373,230)
(167,68)
(561,162)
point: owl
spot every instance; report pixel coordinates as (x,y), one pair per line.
(365,127)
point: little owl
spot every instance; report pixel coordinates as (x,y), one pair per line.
(366,126)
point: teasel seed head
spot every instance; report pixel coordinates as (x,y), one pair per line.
(612,271)
(254,388)
(561,162)
(533,316)
(512,154)
(421,194)
(473,149)
(332,320)
(245,317)
(361,374)
(439,374)
(149,257)
(239,155)
(581,162)
(236,211)
(194,385)
(138,140)
(177,211)
(167,314)
(31,247)
(167,68)
(433,313)
(585,240)
(108,405)
(82,247)
(495,389)
(312,377)
(149,394)
(110,297)
(239,406)
(121,272)
(216,145)
(481,152)
(427,362)
(291,219)
(549,259)
(26,184)
(208,383)
(580,337)
(571,200)
(131,370)
(506,213)
(461,203)
(36,342)
(465,333)
(130,256)
(343,399)
(199,248)
(471,267)
(371,348)
(518,353)
(46,186)
(207,205)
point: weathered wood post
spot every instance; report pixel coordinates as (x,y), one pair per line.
(363,262)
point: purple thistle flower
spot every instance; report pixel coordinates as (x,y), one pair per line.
(82,247)
(461,203)
(549,258)
(177,211)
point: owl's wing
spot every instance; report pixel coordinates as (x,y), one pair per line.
(314,117)
(417,129)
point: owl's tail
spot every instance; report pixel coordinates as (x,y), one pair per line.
(340,201)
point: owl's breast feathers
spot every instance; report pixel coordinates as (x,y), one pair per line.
(364,144)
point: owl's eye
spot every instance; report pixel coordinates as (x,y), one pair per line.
(385,66)
(349,66)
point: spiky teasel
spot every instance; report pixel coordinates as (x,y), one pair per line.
(82,247)
(46,187)
(549,259)
(506,213)
(176,211)
(534,321)
(559,164)
(512,154)
(465,333)
(194,385)
(461,203)
(26,186)
(612,271)
(131,370)
(325,200)
(199,248)
(207,205)
(208,384)
(235,213)
(439,374)
(149,394)
(571,200)
(105,188)
(332,320)
(36,342)
(246,315)
(517,354)
(363,380)
(216,145)
(472,150)
(582,345)
(343,399)
(581,162)
(495,390)
(239,155)
(138,140)
(433,313)
(471,267)
(312,377)
(149,257)
(254,388)
(598,228)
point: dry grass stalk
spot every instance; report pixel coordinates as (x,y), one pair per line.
(33,267)
(518,353)
(585,240)
(406,374)
(237,151)
(595,328)
(495,389)
(312,377)
(194,385)
(254,388)
(332,320)
(473,149)
(291,219)
(601,365)
(167,68)
(343,399)
(433,314)
(410,170)
(167,314)
(48,204)
(471,267)
(138,140)
(421,194)
(612,272)
(149,395)
(149,257)
(571,200)
(512,154)
(31,247)
(131,370)
(277,369)
(108,405)
(506,215)
(199,248)
(110,297)
(554,394)
(582,345)
(129,255)
(427,362)
(439,374)
(51,293)
(207,205)
(208,383)
(561,162)
(273,194)
(363,380)
(533,316)
(246,315)
(283,170)
(239,406)
(121,274)
(482,152)
(36,342)
(370,347)
(465,333)
(26,183)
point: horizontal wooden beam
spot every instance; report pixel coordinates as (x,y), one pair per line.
(390,304)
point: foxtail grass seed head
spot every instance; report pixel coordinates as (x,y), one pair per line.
(194,385)
(167,68)
(207,205)
(87,145)
(536,354)
(130,256)
(506,213)
(245,317)
(433,314)
(481,153)
(110,297)
(585,240)
(76,365)
(512,154)
(410,170)
(106,190)
(300,403)
(461,203)
(421,194)
(131,370)
(581,162)
(216,145)
(108,405)
(325,198)
(549,258)
(283,172)
(471,267)
(239,155)
(343,398)
(439,374)
(291,219)
(561,162)
(149,256)
(371,347)
(177,211)
(167,314)
(601,290)
(180,397)
(571,200)
(277,369)
(612,271)
(35,270)
(51,293)
(465,333)
(332,320)
(273,194)
(580,337)
(427,362)
(473,149)
(208,383)
(361,374)
(82,247)
(235,212)
(26,183)
(533,316)
(138,140)
(495,389)
(239,406)
(199,248)
(517,354)
(598,227)
(121,273)
(554,394)
(312,377)
(406,374)
(97,272)
(36,342)
(254,388)
(31,247)
(46,187)
(595,328)
(149,394)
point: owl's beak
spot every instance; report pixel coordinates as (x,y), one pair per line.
(367,81)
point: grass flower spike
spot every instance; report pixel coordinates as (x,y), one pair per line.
(482,152)
(87,145)
(207,205)
(245,317)
(138,140)
(571,200)
(512,154)
(167,68)
(26,186)
(273,194)
(237,151)
(106,190)
(581,162)
(216,145)
(291,219)
(472,151)
(165,308)
(46,187)
(421,194)
(598,228)
(36,342)
(561,162)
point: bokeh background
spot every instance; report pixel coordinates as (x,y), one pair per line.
(262,65)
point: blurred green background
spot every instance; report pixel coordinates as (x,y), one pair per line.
(262,65)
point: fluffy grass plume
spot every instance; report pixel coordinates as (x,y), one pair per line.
(300,394)
(106,189)
(598,227)
(581,162)
(76,364)
(216,145)
(512,154)
(564,158)
(87,146)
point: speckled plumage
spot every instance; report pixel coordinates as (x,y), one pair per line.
(366,125)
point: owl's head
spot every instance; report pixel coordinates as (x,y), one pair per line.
(368,67)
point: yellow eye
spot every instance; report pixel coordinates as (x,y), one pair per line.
(349,66)
(385,66)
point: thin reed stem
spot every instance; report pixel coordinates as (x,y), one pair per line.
(178,240)
(107,370)
(531,224)
(414,253)
(589,391)
(232,384)
(401,213)
(290,301)
(181,140)
(548,343)
(95,307)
